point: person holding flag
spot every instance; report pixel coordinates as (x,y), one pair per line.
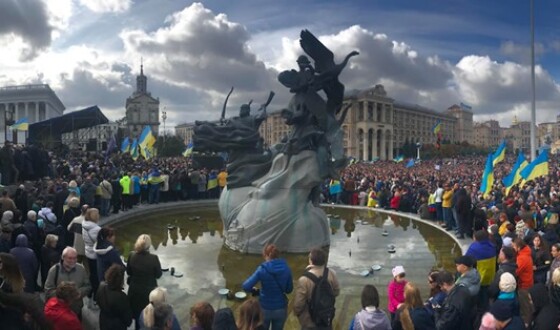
(487,177)
(125,145)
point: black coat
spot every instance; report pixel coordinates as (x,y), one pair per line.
(143,270)
(456,310)
(115,312)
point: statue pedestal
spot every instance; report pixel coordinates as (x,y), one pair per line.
(277,209)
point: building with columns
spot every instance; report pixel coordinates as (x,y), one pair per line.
(34,102)
(142,108)
(375,127)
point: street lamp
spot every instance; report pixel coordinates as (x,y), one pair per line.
(164,117)
(418,146)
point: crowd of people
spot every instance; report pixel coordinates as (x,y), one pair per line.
(54,256)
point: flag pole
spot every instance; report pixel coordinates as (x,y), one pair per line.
(533,98)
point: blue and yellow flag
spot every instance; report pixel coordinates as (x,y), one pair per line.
(125,145)
(499,154)
(21,125)
(514,176)
(147,138)
(537,168)
(410,163)
(487,177)
(398,159)
(146,152)
(188,151)
(134,149)
(437,127)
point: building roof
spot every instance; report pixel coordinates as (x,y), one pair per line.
(14,93)
(419,108)
(52,129)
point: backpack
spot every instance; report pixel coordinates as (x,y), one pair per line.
(321,305)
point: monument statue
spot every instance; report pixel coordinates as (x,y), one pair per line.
(272,195)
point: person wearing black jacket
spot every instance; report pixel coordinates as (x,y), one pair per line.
(457,307)
(545,315)
(115,312)
(507,263)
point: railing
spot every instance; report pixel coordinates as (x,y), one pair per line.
(26,87)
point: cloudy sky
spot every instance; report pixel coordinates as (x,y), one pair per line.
(433,53)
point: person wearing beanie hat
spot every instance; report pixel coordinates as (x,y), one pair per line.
(507,241)
(470,277)
(508,284)
(504,318)
(508,294)
(395,290)
(506,264)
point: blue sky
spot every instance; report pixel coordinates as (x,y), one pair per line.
(434,53)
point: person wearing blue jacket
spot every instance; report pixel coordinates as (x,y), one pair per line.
(107,253)
(276,281)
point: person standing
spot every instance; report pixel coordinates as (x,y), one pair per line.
(446,205)
(222,179)
(58,309)
(106,195)
(484,252)
(27,262)
(463,209)
(506,264)
(305,287)
(456,310)
(125,183)
(276,281)
(438,200)
(395,290)
(69,270)
(107,253)
(370,317)
(115,312)
(524,278)
(143,269)
(90,230)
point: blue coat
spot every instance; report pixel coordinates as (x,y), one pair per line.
(107,255)
(27,261)
(276,280)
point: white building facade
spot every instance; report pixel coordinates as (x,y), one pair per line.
(93,138)
(142,108)
(34,102)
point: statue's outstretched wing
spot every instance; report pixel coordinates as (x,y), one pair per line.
(323,57)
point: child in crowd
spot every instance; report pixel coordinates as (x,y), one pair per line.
(395,290)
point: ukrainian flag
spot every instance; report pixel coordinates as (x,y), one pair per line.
(398,159)
(146,152)
(147,138)
(437,127)
(515,175)
(21,125)
(125,145)
(134,149)
(537,168)
(487,177)
(500,153)
(189,150)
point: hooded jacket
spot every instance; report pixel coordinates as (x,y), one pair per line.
(471,280)
(47,214)
(485,254)
(276,280)
(62,317)
(370,318)
(89,234)
(27,262)
(107,255)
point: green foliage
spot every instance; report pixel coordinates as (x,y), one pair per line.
(172,147)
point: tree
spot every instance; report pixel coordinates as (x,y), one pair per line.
(172,147)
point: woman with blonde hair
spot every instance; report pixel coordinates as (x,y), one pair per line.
(157,296)
(143,269)
(11,278)
(90,230)
(250,316)
(412,314)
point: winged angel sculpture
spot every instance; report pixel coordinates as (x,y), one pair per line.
(273,194)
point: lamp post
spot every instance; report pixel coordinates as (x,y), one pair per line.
(418,146)
(164,117)
(533,99)
(9,121)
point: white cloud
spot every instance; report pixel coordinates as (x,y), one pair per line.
(107,6)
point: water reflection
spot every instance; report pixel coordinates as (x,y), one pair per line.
(194,247)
